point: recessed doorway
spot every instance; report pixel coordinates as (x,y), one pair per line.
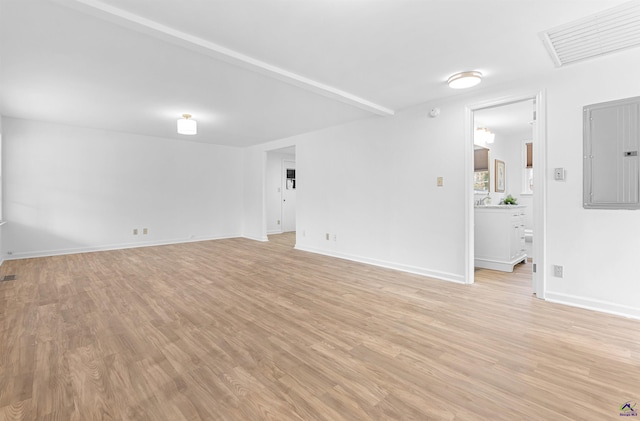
(280,190)
(507,133)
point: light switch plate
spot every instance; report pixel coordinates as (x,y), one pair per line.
(440,181)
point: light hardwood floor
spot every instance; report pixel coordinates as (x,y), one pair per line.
(242,330)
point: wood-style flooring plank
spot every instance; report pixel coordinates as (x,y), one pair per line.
(242,330)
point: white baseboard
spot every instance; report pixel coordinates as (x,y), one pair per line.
(272,232)
(250,237)
(593,304)
(59,252)
(445,276)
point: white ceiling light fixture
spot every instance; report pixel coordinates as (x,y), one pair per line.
(464,80)
(186,125)
(484,136)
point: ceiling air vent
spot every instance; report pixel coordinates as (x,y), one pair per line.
(611,30)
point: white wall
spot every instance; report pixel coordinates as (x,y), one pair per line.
(598,248)
(515,175)
(514,165)
(500,150)
(1,188)
(254,213)
(372,186)
(508,148)
(72,189)
(372,183)
(273,190)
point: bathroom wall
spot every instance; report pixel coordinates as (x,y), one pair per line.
(511,152)
(508,148)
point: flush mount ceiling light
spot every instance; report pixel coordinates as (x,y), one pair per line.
(484,136)
(464,80)
(186,125)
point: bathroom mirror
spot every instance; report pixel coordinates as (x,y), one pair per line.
(481,175)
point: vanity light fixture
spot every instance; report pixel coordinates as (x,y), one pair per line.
(186,125)
(464,80)
(484,135)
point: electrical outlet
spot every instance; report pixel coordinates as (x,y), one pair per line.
(558,271)
(327,236)
(278,222)
(145,231)
(135,231)
(440,181)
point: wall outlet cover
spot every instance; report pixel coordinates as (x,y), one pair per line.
(558,271)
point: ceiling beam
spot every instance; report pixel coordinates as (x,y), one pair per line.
(140,24)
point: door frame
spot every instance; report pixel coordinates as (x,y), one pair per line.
(540,182)
(283,175)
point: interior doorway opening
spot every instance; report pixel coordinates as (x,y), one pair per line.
(281,187)
(506,146)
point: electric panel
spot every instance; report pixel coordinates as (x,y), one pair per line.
(611,146)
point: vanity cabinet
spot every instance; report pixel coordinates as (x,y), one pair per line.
(499,237)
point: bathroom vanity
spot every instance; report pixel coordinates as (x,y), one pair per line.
(499,237)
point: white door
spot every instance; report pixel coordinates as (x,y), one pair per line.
(288,196)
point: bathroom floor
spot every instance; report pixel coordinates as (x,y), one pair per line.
(520,279)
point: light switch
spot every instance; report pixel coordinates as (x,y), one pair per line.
(440,181)
(558,174)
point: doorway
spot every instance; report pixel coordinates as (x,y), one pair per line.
(509,134)
(280,190)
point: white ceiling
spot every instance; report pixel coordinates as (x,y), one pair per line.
(67,61)
(507,120)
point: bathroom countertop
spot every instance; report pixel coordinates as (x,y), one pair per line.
(499,206)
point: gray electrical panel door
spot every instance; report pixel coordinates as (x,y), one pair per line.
(611,146)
